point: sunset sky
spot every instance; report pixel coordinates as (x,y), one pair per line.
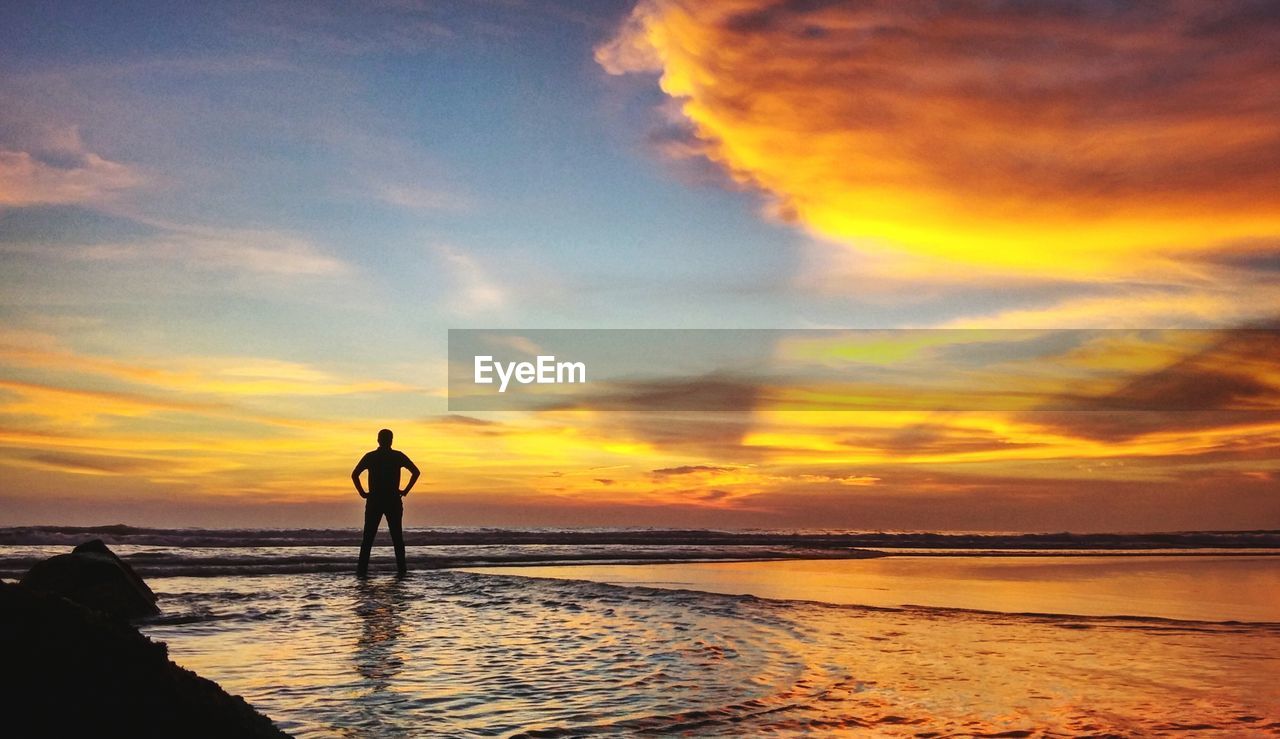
(233,237)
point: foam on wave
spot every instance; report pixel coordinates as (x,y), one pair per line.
(147,536)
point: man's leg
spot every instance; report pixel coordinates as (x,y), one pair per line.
(372,517)
(395,516)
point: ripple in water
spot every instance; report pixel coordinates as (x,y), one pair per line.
(458,654)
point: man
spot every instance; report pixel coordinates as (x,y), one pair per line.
(384,497)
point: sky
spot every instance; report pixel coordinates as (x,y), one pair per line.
(233,237)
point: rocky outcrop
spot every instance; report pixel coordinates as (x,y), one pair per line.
(93,576)
(72,671)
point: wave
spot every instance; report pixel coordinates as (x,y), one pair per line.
(171,537)
(175,564)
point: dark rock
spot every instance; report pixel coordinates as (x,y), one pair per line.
(93,576)
(72,671)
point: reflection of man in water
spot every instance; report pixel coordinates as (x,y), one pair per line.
(383,499)
(381,607)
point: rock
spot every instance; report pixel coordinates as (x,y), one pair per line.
(93,576)
(72,671)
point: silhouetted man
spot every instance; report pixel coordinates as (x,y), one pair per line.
(383,499)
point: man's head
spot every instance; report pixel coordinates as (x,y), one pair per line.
(384,437)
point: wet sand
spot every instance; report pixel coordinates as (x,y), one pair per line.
(1206,588)
(458,654)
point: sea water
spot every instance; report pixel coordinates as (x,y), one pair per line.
(915,646)
(448,653)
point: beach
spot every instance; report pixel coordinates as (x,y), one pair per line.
(781,647)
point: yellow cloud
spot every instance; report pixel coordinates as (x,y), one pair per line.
(233,376)
(1028,139)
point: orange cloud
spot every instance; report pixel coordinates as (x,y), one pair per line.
(283,433)
(1048,139)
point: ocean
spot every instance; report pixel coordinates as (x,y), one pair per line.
(606,633)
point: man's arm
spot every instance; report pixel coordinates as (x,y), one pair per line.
(413,474)
(355,475)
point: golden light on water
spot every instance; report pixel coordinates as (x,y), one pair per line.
(464,652)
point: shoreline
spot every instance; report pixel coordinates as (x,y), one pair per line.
(338,564)
(155,564)
(117,534)
(911,608)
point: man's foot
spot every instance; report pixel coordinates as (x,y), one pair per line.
(362,572)
(402,571)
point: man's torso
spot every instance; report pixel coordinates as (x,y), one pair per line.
(384,467)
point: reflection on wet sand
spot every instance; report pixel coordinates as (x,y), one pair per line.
(457,654)
(379,659)
(380,606)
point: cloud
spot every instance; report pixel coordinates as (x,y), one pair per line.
(59,169)
(711,496)
(474,289)
(1227,285)
(372,29)
(1140,306)
(202,425)
(980,500)
(1257,258)
(203,249)
(79,407)
(934,438)
(226,377)
(1044,139)
(688,470)
(461,420)
(182,426)
(89,464)
(261,252)
(1235,372)
(711,392)
(1227,392)
(848,480)
(417,197)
